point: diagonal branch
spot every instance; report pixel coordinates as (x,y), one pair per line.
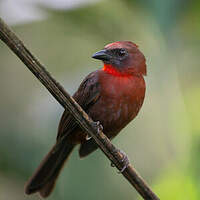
(58,92)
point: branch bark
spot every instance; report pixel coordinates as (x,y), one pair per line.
(58,92)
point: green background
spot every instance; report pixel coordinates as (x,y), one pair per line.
(163,142)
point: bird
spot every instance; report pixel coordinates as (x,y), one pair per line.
(111,95)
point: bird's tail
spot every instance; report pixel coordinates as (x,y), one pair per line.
(44,178)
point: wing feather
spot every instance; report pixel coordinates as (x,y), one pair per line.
(87,94)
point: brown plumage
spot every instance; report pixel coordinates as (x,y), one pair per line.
(112,95)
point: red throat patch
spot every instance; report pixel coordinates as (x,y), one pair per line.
(112,70)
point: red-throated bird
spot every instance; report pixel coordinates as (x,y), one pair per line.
(112,95)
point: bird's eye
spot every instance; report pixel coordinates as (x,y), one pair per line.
(122,52)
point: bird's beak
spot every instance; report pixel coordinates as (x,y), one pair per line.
(102,55)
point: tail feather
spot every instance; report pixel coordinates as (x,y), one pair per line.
(43,180)
(46,190)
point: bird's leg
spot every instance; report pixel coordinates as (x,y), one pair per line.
(98,126)
(124,161)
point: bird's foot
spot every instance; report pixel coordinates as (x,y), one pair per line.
(124,160)
(98,126)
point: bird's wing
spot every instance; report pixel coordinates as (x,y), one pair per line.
(87,94)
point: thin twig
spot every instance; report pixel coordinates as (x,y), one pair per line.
(58,92)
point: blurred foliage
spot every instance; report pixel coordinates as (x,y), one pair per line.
(163,142)
(174,184)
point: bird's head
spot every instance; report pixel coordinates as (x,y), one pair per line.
(122,58)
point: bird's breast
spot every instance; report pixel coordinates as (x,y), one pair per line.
(120,100)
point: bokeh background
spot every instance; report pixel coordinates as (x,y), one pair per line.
(163,143)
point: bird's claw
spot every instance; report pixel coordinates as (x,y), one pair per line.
(124,161)
(98,126)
